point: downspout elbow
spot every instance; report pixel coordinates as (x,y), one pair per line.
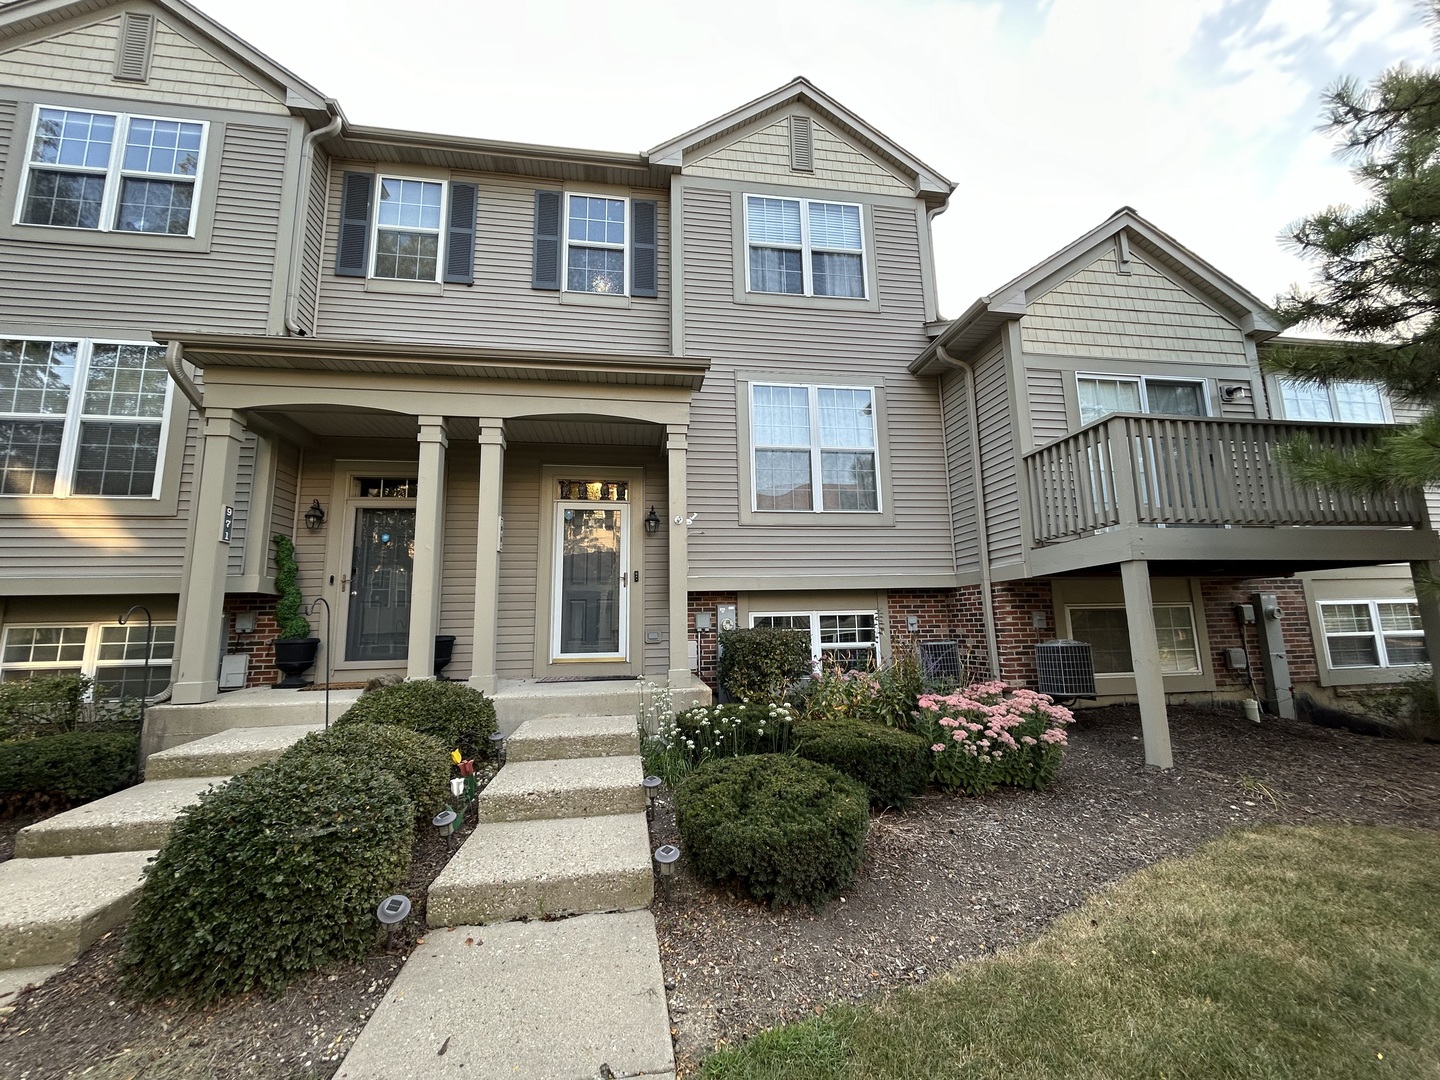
(297,238)
(175,364)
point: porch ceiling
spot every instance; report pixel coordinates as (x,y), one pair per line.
(338,422)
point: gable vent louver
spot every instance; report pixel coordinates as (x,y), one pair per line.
(802,155)
(132,57)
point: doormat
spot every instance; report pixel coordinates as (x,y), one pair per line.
(335,686)
(588,678)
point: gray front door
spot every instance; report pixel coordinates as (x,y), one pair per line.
(381,573)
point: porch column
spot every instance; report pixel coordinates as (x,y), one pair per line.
(490,534)
(1145,657)
(1426,576)
(199,642)
(675,450)
(429,549)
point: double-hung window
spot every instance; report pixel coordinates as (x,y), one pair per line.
(1373,633)
(804,434)
(1342,402)
(1108,632)
(81,417)
(407,229)
(112,172)
(804,247)
(844,639)
(595,244)
(114,656)
(1101,395)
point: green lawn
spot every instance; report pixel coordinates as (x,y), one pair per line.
(1278,952)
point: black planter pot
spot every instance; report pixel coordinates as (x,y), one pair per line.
(444,647)
(295,657)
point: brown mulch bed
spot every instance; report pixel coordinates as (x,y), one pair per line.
(955,878)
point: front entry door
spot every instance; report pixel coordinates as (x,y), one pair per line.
(590,618)
(381,572)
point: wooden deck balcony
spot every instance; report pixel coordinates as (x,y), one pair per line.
(1218,489)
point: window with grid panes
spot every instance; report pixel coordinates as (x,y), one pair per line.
(1108,632)
(595,244)
(1373,633)
(843,639)
(1341,402)
(112,172)
(804,247)
(407,229)
(113,655)
(800,433)
(81,417)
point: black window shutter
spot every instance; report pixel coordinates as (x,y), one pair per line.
(644,273)
(352,250)
(460,237)
(546,271)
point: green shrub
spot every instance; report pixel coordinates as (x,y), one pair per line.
(419,762)
(291,621)
(792,831)
(74,766)
(272,875)
(461,718)
(43,704)
(762,663)
(894,765)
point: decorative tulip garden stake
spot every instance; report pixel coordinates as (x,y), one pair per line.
(463,788)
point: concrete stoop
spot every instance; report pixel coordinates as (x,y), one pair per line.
(537,869)
(550,738)
(52,910)
(136,819)
(569,787)
(572,999)
(227,754)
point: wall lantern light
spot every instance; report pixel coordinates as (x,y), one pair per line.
(652,522)
(315,516)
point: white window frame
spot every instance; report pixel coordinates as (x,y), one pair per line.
(75,415)
(1375,633)
(1329,389)
(1142,381)
(376,228)
(817,483)
(819,649)
(91,663)
(115,172)
(806,249)
(1199,668)
(623,247)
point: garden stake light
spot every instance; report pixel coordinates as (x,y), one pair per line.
(665,858)
(652,789)
(497,746)
(445,821)
(391,913)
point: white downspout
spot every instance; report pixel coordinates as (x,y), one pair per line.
(302,211)
(982,532)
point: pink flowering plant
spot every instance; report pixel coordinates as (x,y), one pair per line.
(987,734)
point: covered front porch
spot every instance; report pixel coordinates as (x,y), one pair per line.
(502,501)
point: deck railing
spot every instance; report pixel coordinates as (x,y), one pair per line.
(1134,469)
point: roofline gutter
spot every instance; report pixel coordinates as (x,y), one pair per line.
(297,235)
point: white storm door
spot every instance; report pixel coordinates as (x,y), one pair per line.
(590,616)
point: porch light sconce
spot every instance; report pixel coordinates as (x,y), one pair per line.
(652,522)
(315,516)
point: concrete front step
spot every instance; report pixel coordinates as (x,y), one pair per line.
(136,819)
(227,753)
(551,737)
(569,788)
(52,910)
(570,999)
(555,866)
(257,706)
(528,699)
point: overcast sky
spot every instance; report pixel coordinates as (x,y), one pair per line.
(1047,114)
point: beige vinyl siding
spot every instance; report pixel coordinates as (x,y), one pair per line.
(287,487)
(1239,409)
(655,571)
(1048,420)
(312,255)
(764,156)
(500,309)
(998,456)
(963,519)
(1143,315)
(833,345)
(83,60)
(457,569)
(224,291)
(244,489)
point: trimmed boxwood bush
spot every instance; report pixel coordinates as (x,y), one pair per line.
(420,763)
(791,830)
(272,875)
(75,766)
(460,717)
(761,664)
(894,765)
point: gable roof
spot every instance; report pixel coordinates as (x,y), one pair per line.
(929,183)
(26,16)
(1007,303)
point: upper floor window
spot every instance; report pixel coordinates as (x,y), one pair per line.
(800,433)
(595,244)
(411,229)
(112,172)
(81,417)
(1101,395)
(407,229)
(804,247)
(1343,402)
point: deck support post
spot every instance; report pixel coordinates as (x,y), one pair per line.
(490,535)
(429,549)
(1145,656)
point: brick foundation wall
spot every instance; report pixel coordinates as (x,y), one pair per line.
(936,611)
(259,643)
(1015,603)
(1220,597)
(710,640)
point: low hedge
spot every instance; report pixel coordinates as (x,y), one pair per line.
(763,662)
(894,765)
(420,763)
(790,830)
(272,875)
(75,766)
(460,717)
